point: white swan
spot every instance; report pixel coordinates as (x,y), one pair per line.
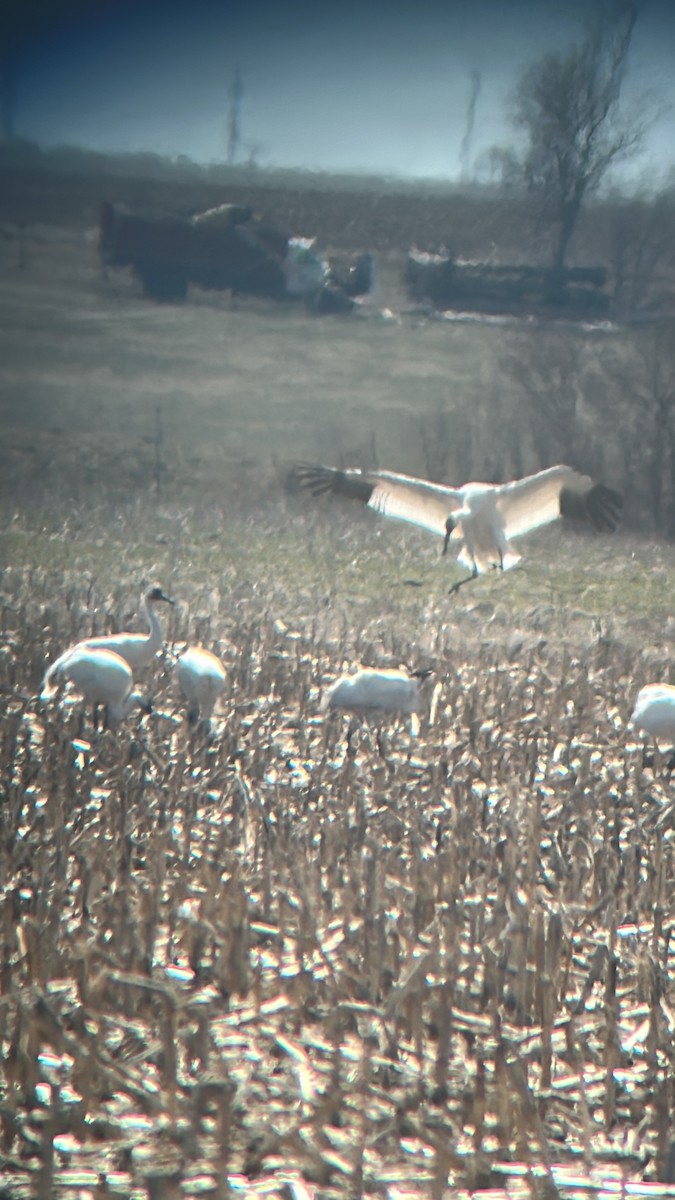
(201,677)
(137,649)
(100,676)
(481,518)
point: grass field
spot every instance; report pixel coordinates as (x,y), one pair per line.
(276,962)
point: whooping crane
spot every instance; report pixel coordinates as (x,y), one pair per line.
(100,676)
(654,711)
(201,676)
(377,690)
(480,518)
(137,649)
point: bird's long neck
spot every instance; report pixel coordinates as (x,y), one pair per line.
(152,621)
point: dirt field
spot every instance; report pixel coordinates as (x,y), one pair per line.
(282,961)
(378,216)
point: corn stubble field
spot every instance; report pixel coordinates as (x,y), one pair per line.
(278,961)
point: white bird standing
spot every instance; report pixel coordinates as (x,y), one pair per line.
(481,518)
(654,711)
(377,690)
(374,688)
(100,676)
(137,649)
(201,677)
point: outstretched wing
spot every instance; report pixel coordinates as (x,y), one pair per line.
(404,497)
(557,492)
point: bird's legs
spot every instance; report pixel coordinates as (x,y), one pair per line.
(658,760)
(381,744)
(467,579)
(460,582)
(350,749)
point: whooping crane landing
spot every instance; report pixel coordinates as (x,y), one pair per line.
(137,649)
(201,677)
(100,676)
(480,518)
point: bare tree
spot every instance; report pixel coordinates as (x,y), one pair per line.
(234,117)
(567,104)
(465,148)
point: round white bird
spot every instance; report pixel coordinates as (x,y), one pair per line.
(654,711)
(201,677)
(100,676)
(137,649)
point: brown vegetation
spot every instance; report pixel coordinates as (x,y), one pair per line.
(437,964)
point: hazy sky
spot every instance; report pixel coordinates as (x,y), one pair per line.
(374,86)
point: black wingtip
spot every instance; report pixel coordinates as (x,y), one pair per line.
(605,507)
(600,504)
(320,480)
(310,477)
